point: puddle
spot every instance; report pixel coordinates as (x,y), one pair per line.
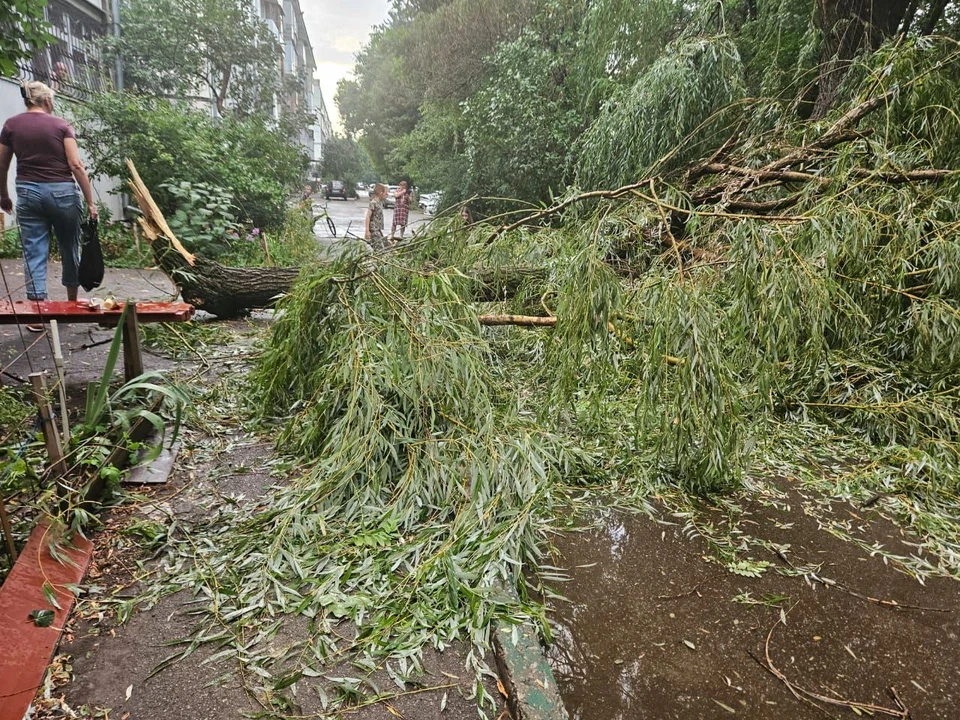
(652,630)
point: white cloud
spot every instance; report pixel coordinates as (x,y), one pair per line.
(338,29)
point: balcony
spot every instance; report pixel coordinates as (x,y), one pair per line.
(73,65)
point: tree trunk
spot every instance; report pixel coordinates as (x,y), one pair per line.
(849,28)
(220,290)
(934,14)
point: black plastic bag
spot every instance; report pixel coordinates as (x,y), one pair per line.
(91,257)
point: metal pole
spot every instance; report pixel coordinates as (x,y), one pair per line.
(118,69)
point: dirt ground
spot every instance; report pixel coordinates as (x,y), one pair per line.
(653,630)
(104,667)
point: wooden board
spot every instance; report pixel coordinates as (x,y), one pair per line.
(37,311)
(26,648)
(157,471)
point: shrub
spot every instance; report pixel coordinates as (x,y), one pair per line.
(256,164)
(204,220)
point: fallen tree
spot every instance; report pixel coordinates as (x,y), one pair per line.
(211,286)
(723,186)
(689,346)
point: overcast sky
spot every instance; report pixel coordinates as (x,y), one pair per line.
(337,29)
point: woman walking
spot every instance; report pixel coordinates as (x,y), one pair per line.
(49,169)
(373,222)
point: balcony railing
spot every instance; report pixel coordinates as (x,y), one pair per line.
(73,65)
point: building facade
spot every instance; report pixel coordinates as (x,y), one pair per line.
(285,20)
(76,69)
(73,66)
(322,128)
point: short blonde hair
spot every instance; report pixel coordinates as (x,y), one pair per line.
(379,189)
(35,92)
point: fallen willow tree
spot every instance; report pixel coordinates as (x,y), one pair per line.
(439,450)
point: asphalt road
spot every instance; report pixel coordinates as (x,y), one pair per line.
(348,216)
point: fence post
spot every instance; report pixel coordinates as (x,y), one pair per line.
(51,437)
(7,532)
(132,354)
(61,376)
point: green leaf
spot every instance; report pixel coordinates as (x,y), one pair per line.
(42,618)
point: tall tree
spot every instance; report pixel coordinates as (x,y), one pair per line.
(182,47)
(850,27)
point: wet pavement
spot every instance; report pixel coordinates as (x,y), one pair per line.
(348,217)
(656,627)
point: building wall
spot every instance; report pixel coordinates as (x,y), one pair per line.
(74,69)
(321,129)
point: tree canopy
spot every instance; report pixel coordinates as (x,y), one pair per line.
(214,48)
(520,99)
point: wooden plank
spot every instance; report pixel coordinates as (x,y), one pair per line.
(27,648)
(132,354)
(120,456)
(37,311)
(156,472)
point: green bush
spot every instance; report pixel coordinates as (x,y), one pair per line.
(256,161)
(294,245)
(204,219)
(10,243)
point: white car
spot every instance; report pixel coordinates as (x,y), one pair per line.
(429,202)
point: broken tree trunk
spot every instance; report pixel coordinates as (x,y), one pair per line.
(217,289)
(229,292)
(222,290)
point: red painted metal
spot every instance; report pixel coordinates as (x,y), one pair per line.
(35,311)
(25,649)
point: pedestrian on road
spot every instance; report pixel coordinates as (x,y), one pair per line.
(401,209)
(373,222)
(49,169)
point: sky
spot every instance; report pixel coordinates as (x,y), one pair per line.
(337,30)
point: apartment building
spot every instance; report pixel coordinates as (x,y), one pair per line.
(322,128)
(72,65)
(285,20)
(76,69)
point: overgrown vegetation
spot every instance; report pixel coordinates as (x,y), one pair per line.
(29,488)
(518,100)
(760,280)
(24,31)
(255,166)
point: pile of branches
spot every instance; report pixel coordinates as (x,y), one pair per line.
(680,318)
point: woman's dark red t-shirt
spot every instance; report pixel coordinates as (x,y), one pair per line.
(37,141)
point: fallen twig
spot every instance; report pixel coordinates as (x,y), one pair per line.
(827,582)
(802,693)
(689,592)
(525,320)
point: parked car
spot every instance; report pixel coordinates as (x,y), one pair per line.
(391,191)
(429,202)
(335,188)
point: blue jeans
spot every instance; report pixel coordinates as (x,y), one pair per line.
(40,208)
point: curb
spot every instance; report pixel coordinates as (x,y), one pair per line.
(532,692)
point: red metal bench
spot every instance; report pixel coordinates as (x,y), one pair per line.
(35,311)
(24,312)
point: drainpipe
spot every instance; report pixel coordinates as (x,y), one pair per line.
(118,70)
